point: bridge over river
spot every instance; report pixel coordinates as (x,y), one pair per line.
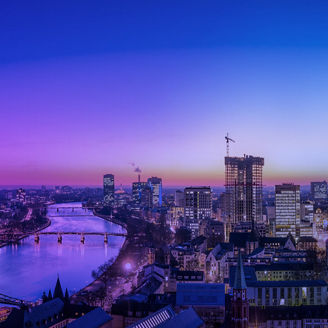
(59,234)
(30,267)
(5,299)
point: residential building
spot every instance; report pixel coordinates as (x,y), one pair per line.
(198,207)
(288,210)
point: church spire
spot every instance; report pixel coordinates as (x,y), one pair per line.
(58,292)
(240,282)
(239,302)
(44,297)
(66,296)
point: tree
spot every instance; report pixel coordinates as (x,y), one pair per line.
(192,265)
(103,274)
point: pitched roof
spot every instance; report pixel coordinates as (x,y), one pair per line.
(167,318)
(43,311)
(185,319)
(256,251)
(155,319)
(239,282)
(249,273)
(93,319)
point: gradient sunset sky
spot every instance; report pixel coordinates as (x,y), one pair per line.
(87,87)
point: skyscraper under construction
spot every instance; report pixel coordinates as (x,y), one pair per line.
(243,190)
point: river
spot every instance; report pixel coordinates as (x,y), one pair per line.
(28,269)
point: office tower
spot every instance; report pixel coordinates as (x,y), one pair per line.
(288,210)
(243,190)
(141,194)
(155,185)
(319,190)
(21,195)
(306,228)
(198,206)
(179,198)
(109,189)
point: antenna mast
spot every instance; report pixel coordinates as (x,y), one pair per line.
(228,139)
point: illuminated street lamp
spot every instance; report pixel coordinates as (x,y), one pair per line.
(127,266)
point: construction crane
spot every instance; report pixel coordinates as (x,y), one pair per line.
(228,139)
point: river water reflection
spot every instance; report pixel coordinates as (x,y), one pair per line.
(27,269)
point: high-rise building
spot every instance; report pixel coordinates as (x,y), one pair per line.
(141,194)
(109,189)
(307,213)
(319,190)
(155,185)
(198,206)
(243,190)
(179,198)
(21,195)
(288,210)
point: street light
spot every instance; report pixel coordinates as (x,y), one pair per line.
(127,266)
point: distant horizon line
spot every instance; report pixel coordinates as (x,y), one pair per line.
(129,186)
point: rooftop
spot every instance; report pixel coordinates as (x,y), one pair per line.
(93,319)
(43,311)
(200,294)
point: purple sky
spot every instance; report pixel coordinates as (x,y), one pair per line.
(82,95)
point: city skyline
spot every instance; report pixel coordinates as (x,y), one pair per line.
(98,101)
(163,164)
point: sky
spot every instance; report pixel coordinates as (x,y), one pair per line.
(89,87)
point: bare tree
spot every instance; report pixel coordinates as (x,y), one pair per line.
(103,274)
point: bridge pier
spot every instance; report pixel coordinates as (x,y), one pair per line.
(36,238)
(82,238)
(60,238)
(106,238)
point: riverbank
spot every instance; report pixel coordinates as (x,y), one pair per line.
(122,275)
(92,292)
(111,219)
(27,234)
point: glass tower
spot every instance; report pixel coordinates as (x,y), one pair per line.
(108,189)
